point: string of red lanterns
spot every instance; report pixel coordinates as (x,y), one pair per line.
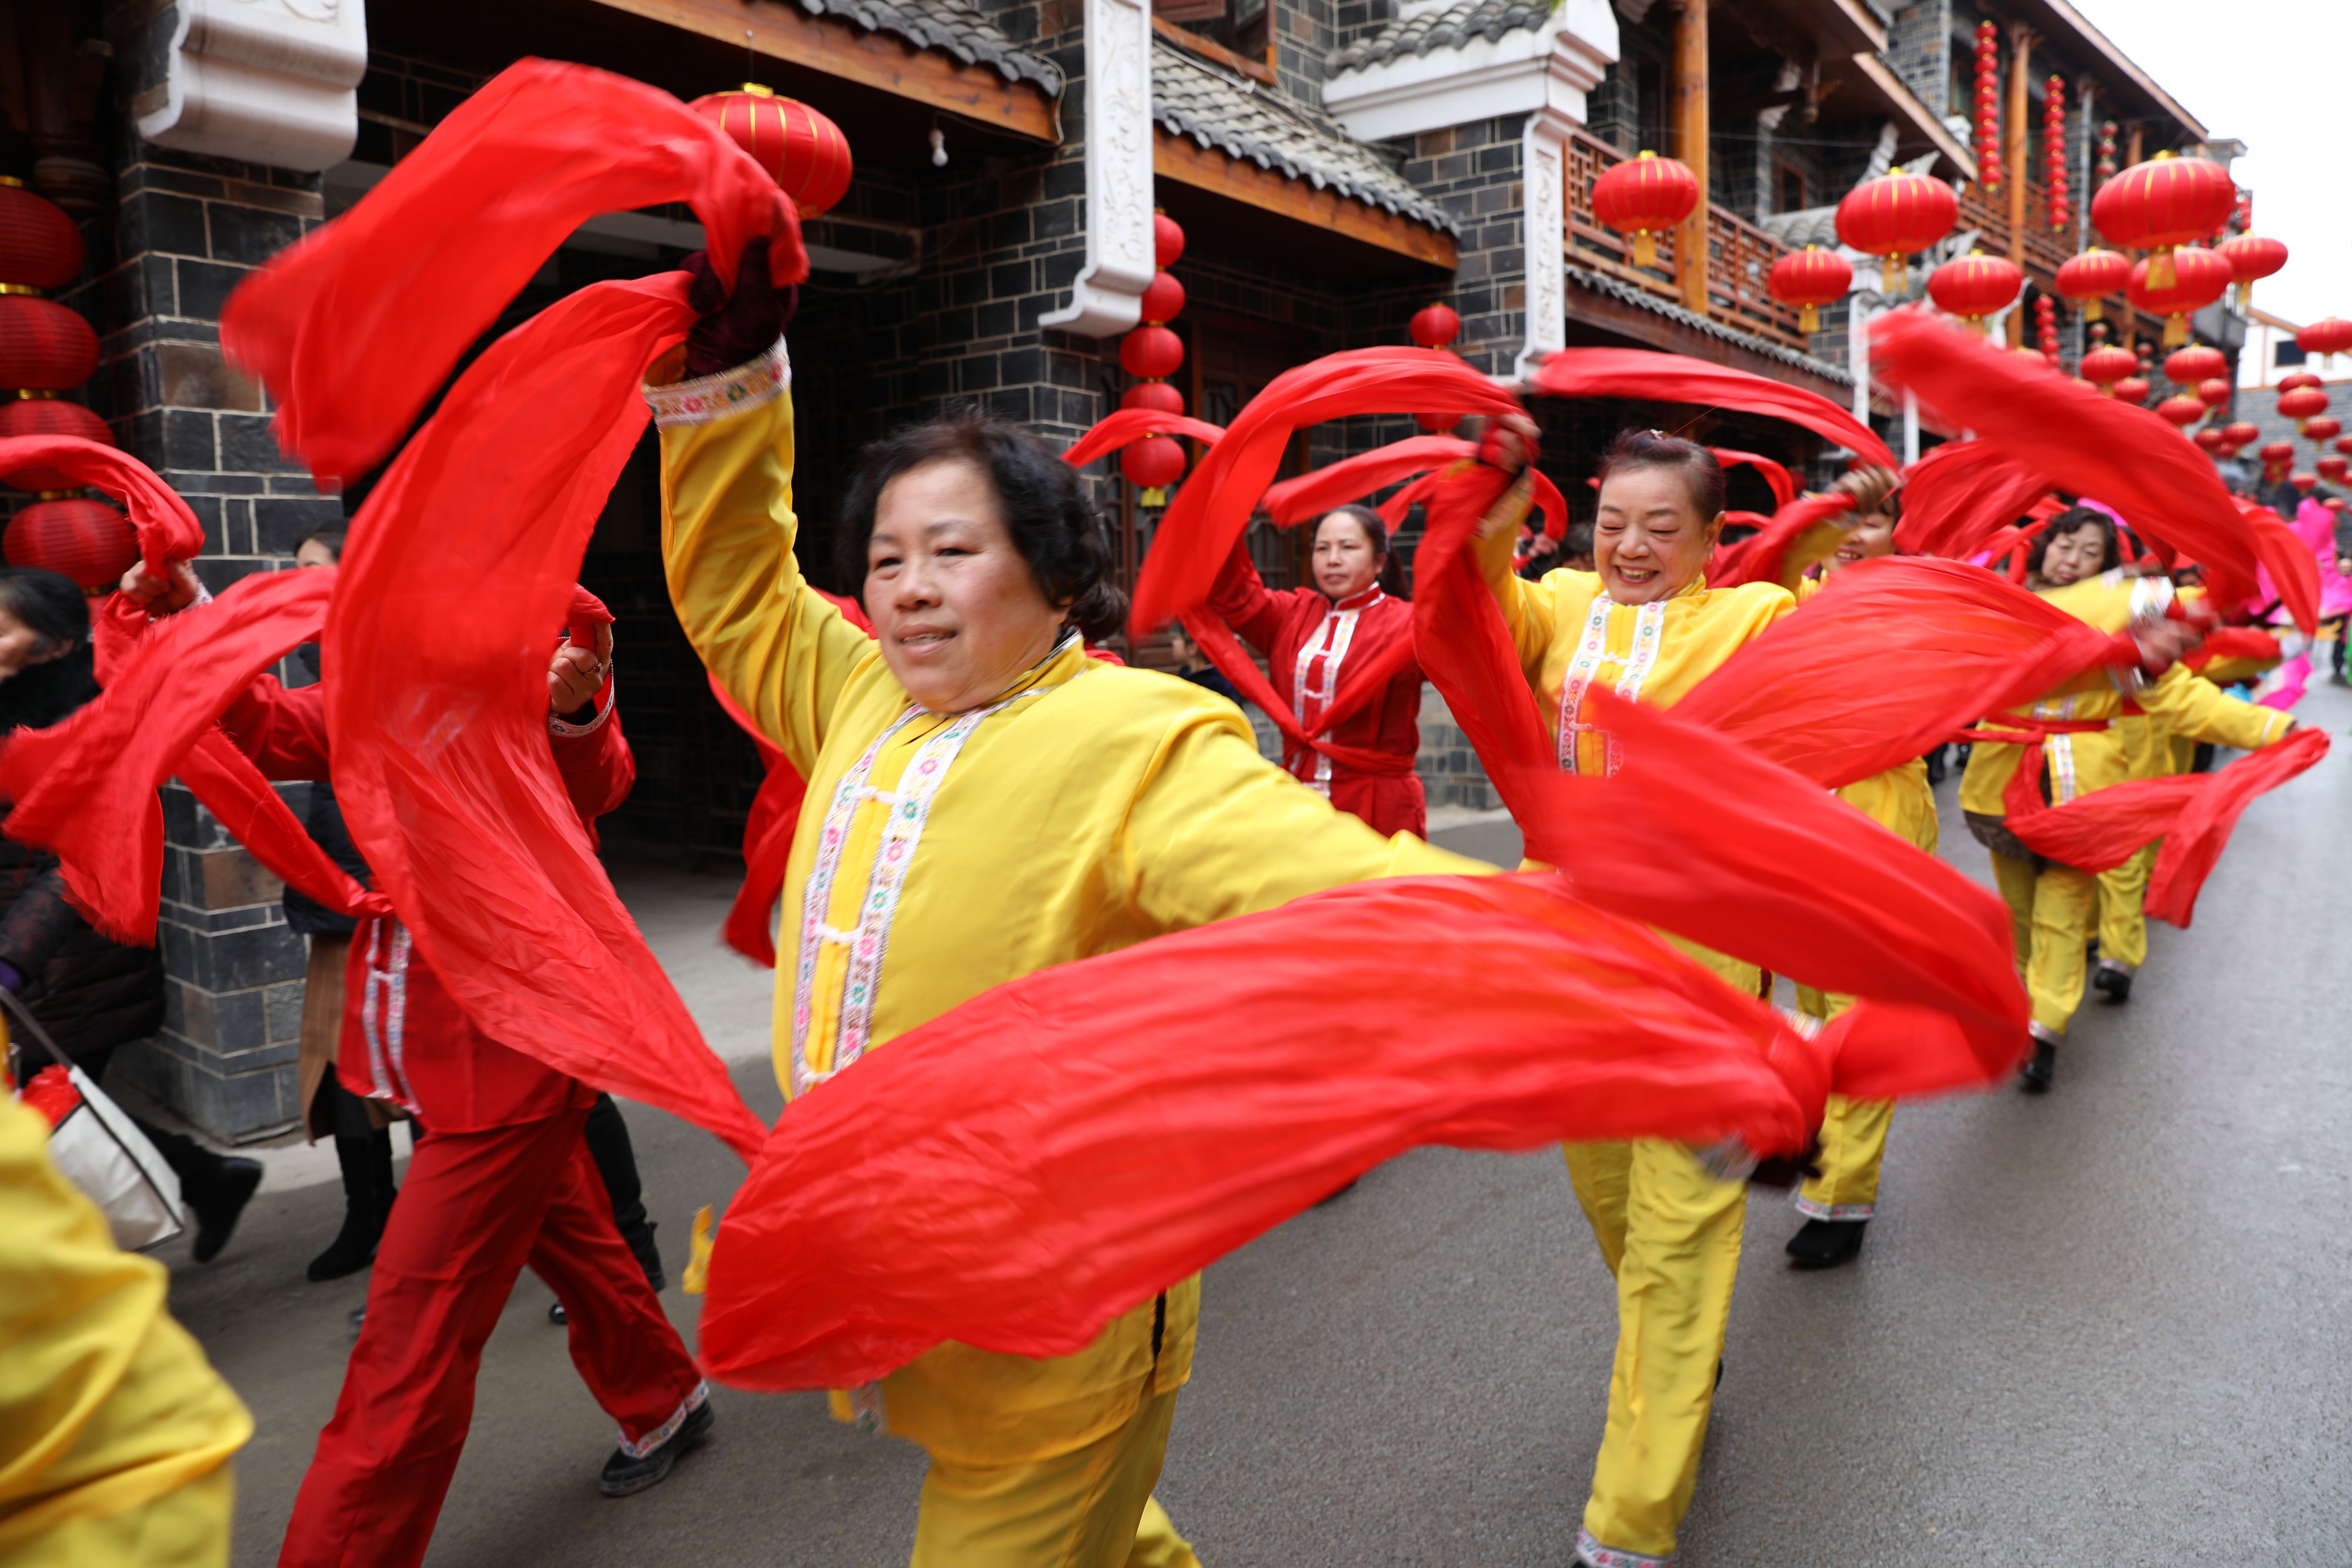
(1151,353)
(1988,116)
(2053,152)
(2105,168)
(2045,326)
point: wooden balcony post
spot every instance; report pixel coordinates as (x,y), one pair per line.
(1691,139)
(2020,108)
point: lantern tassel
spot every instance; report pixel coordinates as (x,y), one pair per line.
(2245,295)
(1891,278)
(2095,312)
(2175,331)
(1645,248)
(1155,497)
(2160,273)
(1809,320)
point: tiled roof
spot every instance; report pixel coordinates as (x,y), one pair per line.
(1601,283)
(1446,28)
(1244,120)
(946,25)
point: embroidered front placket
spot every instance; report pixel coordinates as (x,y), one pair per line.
(1315,674)
(868,940)
(1591,653)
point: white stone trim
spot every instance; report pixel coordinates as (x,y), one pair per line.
(1543,217)
(1551,67)
(1108,295)
(265,81)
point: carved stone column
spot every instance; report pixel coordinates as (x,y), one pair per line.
(1107,296)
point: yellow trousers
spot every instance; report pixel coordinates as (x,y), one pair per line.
(1089,1507)
(2052,913)
(2123,913)
(184,1528)
(1853,1138)
(1670,1233)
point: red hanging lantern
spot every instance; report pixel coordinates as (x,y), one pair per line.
(2192,279)
(2105,168)
(1151,465)
(2214,391)
(2322,430)
(2301,404)
(2332,335)
(2296,381)
(2183,411)
(44,347)
(1151,353)
(1436,326)
(2090,277)
(2344,445)
(2243,433)
(1644,196)
(1167,240)
(802,152)
(1894,216)
(35,415)
(1163,298)
(1154,395)
(1976,285)
(2195,363)
(1809,279)
(2277,454)
(2210,439)
(1987,118)
(2053,152)
(86,540)
(2334,467)
(2251,258)
(2108,366)
(2164,202)
(41,245)
(2306,482)
(2132,389)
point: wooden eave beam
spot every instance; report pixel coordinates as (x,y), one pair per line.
(1905,105)
(1188,162)
(843,49)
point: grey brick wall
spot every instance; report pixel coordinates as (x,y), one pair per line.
(1305,35)
(1474,172)
(1920,48)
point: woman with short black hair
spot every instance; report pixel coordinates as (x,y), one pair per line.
(984,801)
(1353,612)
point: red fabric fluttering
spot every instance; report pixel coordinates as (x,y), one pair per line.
(1676,378)
(1958,496)
(1197,533)
(1955,641)
(1758,558)
(2235,642)
(770,824)
(85,787)
(2076,439)
(1124,427)
(1706,838)
(1017,1172)
(355,328)
(2293,569)
(463,560)
(2192,813)
(1783,487)
(167,530)
(1417,457)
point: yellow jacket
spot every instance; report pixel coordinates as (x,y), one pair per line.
(107,1405)
(2177,701)
(1091,808)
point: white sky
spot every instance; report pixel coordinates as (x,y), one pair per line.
(2270,73)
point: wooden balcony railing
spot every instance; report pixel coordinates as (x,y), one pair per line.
(1739,255)
(2046,250)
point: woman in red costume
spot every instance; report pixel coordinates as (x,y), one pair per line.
(1310,637)
(502,1179)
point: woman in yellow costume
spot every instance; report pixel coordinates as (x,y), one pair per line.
(2053,906)
(984,801)
(1838,1203)
(115,1434)
(1646,623)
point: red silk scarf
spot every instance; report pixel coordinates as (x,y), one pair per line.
(1675,378)
(1783,487)
(1758,558)
(167,530)
(1958,496)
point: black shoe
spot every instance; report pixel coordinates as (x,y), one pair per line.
(556,1315)
(623,1475)
(353,1248)
(2113,980)
(217,1212)
(359,1318)
(2034,1077)
(1826,1243)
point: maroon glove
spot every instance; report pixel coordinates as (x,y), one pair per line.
(738,328)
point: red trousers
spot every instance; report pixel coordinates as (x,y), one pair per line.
(476,1207)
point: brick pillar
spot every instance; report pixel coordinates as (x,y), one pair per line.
(187,230)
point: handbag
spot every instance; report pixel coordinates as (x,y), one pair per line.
(101,1150)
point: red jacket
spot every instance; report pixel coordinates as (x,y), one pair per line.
(1308,641)
(404,1039)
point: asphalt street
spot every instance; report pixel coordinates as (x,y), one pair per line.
(2102,1327)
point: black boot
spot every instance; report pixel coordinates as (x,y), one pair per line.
(365,1150)
(214,1187)
(616,1162)
(2113,979)
(2034,1077)
(1826,1243)
(623,1475)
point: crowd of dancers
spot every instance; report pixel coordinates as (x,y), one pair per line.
(1057,900)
